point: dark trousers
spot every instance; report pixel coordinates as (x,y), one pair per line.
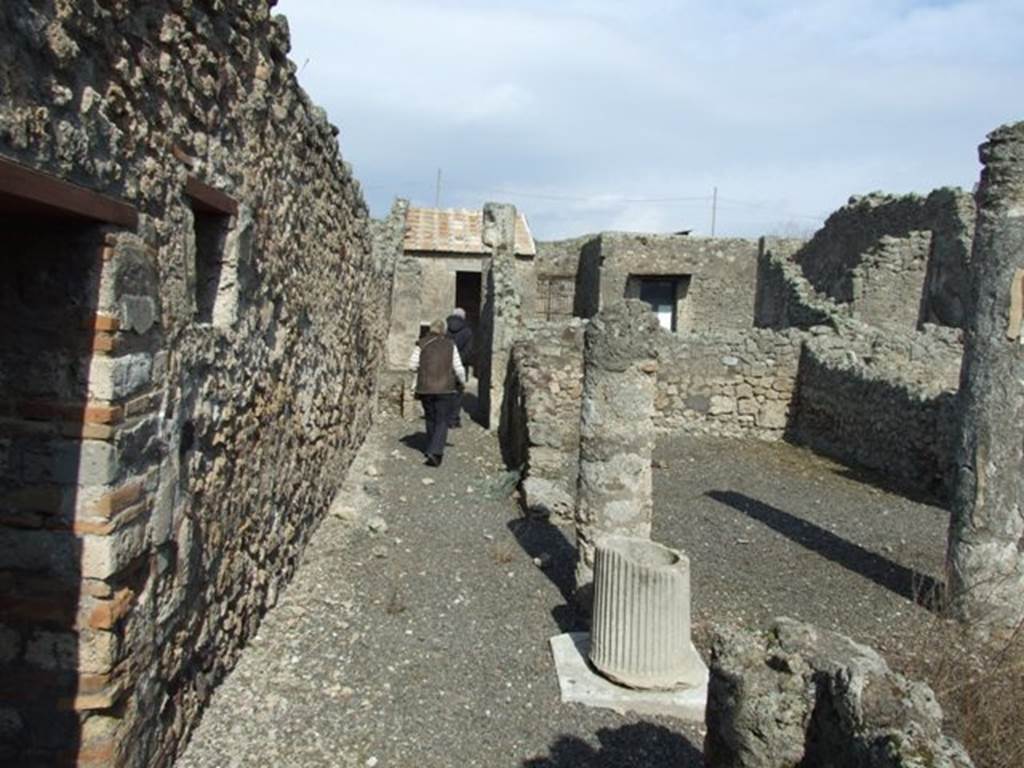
(455,414)
(437,409)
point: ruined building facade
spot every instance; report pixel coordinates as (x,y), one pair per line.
(188,362)
(197,314)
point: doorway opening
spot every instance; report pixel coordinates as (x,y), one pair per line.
(468,292)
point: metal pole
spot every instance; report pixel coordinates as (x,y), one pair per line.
(714,209)
(437,190)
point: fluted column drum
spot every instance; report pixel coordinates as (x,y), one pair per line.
(640,636)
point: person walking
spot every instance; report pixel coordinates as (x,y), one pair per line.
(460,333)
(439,378)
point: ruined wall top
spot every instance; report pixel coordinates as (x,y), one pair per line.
(621,334)
(1002,178)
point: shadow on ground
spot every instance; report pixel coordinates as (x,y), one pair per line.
(471,406)
(639,744)
(908,583)
(415,440)
(540,538)
(937,497)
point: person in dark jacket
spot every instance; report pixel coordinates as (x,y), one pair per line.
(439,378)
(460,333)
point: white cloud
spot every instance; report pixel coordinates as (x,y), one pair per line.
(789,106)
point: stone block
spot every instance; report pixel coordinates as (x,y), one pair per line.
(773,415)
(137,313)
(721,404)
(104,556)
(795,695)
(10,644)
(116,378)
(85,462)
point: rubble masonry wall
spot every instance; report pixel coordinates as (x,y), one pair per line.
(207,448)
(898,261)
(883,401)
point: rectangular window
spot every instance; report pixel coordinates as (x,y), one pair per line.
(212,214)
(666,295)
(211,231)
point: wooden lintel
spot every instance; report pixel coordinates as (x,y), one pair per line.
(35,190)
(207,198)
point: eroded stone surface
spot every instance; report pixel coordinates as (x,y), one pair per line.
(796,695)
(616,431)
(986,555)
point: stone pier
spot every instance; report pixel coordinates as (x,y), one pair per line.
(616,432)
(986,543)
(501,314)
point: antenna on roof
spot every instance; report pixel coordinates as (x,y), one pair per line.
(437,190)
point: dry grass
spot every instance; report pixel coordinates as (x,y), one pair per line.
(396,603)
(979,683)
(503,552)
(984,701)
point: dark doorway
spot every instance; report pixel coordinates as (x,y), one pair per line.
(48,298)
(55,442)
(467,295)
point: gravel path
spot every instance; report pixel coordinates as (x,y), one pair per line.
(425,642)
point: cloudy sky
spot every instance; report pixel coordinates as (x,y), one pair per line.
(592,115)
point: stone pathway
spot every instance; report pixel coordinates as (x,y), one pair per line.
(416,630)
(424,642)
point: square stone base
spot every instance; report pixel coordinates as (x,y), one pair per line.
(579,683)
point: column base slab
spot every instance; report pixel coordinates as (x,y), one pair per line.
(579,683)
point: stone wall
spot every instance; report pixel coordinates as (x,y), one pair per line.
(785,298)
(722,274)
(424,291)
(898,261)
(883,401)
(560,265)
(157,498)
(728,383)
(540,429)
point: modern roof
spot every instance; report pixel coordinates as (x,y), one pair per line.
(457,231)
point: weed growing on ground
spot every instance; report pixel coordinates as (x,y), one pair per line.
(984,701)
(396,603)
(503,552)
(978,681)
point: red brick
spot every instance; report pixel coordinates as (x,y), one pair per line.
(108,525)
(108,612)
(88,412)
(104,342)
(102,322)
(117,500)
